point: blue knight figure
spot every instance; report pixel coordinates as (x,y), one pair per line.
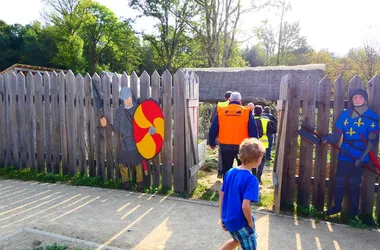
(359,127)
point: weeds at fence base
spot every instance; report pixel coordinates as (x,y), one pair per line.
(360,221)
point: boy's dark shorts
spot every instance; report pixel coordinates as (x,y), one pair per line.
(246,237)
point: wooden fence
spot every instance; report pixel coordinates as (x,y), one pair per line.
(48,122)
(302,172)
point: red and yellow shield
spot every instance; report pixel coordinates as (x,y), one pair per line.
(148,129)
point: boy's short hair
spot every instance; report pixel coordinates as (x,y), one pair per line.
(267,109)
(250,150)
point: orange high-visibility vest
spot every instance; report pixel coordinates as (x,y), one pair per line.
(233,124)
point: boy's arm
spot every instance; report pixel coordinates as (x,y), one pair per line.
(221,195)
(246,206)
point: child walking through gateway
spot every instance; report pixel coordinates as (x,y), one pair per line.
(240,188)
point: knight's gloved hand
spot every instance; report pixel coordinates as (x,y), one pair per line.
(358,163)
(325,139)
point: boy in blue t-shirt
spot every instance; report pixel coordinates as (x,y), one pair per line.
(240,188)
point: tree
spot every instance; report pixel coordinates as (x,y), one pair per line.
(365,60)
(67,18)
(68,15)
(292,43)
(266,35)
(125,52)
(335,65)
(171,16)
(255,56)
(11,42)
(217,25)
(284,6)
(98,34)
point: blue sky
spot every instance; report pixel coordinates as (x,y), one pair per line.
(337,25)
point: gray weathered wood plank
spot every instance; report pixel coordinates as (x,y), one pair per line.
(179,132)
(81,143)
(321,152)
(48,120)
(167,154)
(90,128)
(22,119)
(106,86)
(55,122)
(62,121)
(339,92)
(31,125)
(156,173)
(99,132)
(2,121)
(40,122)
(116,81)
(307,148)
(71,122)
(367,191)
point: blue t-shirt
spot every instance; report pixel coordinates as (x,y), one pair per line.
(352,129)
(238,185)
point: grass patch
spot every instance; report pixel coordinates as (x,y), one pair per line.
(55,246)
(202,192)
(266,200)
(361,221)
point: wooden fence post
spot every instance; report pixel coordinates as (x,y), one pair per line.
(55,123)
(62,120)
(367,191)
(339,91)
(179,132)
(156,173)
(167,146)
(48,116)
(306,148)
(40,121)
(292,91)
(71,122)
(99,131)
(80,113)
(106,86)
(22,120)
(90,127)
(116,81)
(2,121)
(321,152)
(144,95)
(31,125)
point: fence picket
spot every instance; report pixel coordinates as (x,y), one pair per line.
(167,154)
(321,151)
(48,116)
(156,96)
(306,148)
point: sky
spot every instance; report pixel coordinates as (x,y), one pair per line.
(336,25)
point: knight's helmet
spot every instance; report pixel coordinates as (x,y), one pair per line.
(361,92)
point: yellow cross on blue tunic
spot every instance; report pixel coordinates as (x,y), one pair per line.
(345,122)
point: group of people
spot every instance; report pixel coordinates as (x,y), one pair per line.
(232,122)
(238,131)
(243,134)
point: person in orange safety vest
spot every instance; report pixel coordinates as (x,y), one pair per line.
(232,124)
